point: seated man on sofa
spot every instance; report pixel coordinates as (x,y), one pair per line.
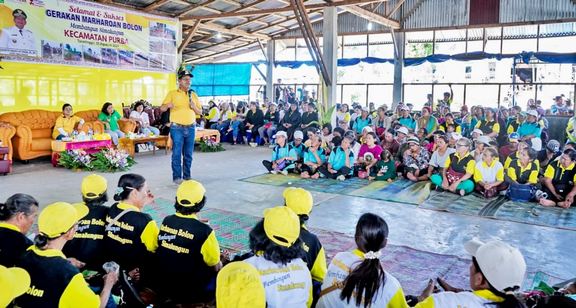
(67,123)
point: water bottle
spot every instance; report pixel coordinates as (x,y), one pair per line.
(75,135)
(110,267)
(90,133)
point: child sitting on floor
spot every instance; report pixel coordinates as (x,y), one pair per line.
(340,162)
(489,174)
(283,156)
(314,158)
(385,169)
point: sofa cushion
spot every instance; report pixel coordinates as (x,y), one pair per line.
(42,133)
(41,144)
(35,119)
(88,115)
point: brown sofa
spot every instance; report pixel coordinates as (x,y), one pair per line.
(126,125)
(33,137)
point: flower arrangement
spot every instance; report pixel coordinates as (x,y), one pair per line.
(107,160)
(75,159)
(208,144)
(110,160)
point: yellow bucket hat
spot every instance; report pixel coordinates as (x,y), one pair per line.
(93,186)
(281,225)
(238,285)
(57,218)
(14,281)
(298,200)
(189,193)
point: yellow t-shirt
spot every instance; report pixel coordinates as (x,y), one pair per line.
(181,113)
(66,123)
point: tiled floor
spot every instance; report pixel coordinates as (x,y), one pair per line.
(548,249)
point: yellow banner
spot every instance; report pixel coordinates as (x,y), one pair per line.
(82,33)
(26,86)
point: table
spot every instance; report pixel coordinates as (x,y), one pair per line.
(128,144)
(5,164)
(90,146)
(201,133)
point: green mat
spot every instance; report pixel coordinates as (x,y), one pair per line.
(502,208)
(401,191)
(407,192)
(536,214)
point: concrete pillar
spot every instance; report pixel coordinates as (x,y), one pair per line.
(270,54)
(398,68)
(330,53)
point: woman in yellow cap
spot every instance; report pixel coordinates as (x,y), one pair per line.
(131,236)
(14,281)
(357,278)
(187,250)
(238,286)
(276,244)
(55,282)
(300,201)
(17,215)
(87,246)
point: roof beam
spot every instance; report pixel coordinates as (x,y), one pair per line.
(154,5)
(189,36)
(396,7)
(222,29)
(195,6)
(232,2)
(373,17)
(343,3)
(277,24)
(231,54)
(219,52)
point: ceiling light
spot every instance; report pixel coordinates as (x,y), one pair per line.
(369,26)
(218,35)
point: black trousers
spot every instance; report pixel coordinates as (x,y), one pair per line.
(345,171)
(310,170)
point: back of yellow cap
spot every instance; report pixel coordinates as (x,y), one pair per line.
(238,285)
(93,186)
(281,225)
(57,218)
(299,200)
(14,281)
(190,192)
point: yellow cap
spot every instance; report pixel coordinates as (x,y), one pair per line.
(299,200)
(57,218)
(282,225)
(189,193)
(93,186)
(14,281)
(238,285)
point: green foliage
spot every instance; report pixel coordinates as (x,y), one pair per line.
(209,145)
(107,160)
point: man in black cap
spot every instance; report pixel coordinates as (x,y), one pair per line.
(183,106)
(16,37)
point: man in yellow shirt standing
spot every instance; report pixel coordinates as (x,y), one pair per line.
(183,109)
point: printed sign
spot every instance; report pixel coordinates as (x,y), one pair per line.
(86,34)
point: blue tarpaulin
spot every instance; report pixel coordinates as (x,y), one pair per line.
(221,79)
(548,57)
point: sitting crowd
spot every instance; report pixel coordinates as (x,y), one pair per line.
(92,253)
(492,152)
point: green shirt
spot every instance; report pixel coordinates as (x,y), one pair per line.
(389,170)
(110,119)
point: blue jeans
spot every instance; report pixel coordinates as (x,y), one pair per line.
(235,129)
(182,143)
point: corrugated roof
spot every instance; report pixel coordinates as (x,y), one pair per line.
(536,10)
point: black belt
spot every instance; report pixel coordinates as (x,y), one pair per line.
(182,125)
